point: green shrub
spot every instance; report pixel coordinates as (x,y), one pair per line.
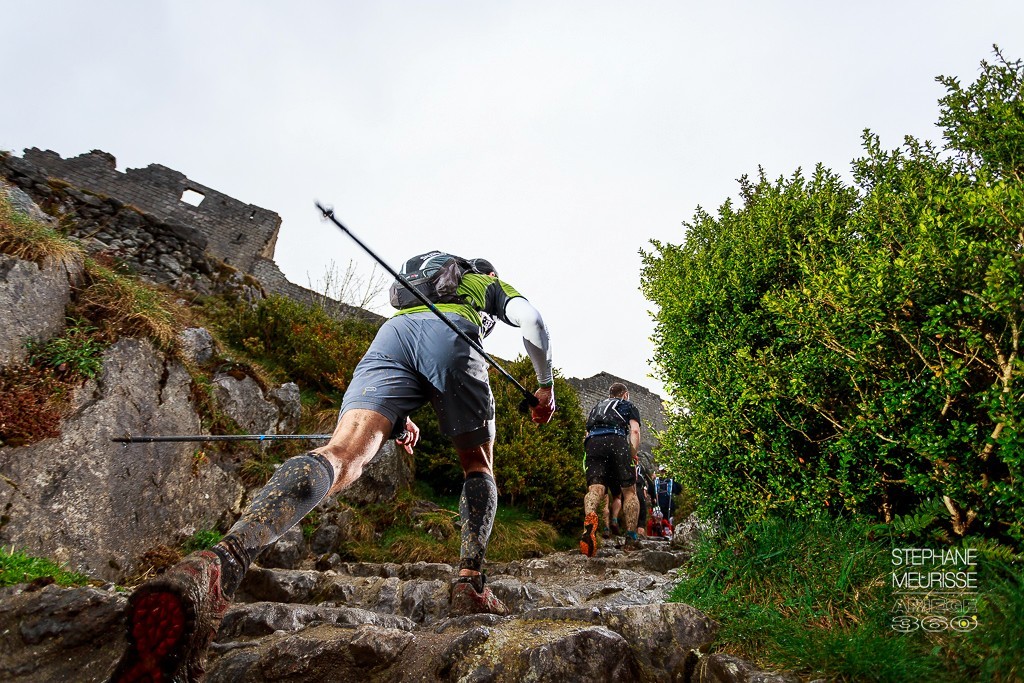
(77,352)
(304,342)
(856,348)
(538,467)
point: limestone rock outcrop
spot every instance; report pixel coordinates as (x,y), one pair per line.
(573,619)
(81,499)
(33,299)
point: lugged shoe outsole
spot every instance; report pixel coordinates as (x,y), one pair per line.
(157,621)
(588,542)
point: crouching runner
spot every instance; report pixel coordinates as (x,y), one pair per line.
(414,358)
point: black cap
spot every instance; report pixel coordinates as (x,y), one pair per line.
(484,266)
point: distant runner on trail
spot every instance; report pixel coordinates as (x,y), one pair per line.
(414,358)
(612,444)
(644,497)
(665,488)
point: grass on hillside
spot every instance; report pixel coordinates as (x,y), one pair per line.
(400,532)
(105,305)
(17,567)
(30,240)
(124,306)
(816,598)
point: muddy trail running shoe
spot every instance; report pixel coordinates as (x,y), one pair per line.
(632,543)
(470,596)
(614,524)
(171,621)
(588,542)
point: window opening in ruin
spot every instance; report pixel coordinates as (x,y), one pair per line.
(192,197)
(252,216)
(240,238)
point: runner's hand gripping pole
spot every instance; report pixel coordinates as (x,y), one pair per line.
(529,399)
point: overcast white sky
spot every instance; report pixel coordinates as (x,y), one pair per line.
(554,138)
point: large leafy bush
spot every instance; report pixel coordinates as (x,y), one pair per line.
(304,342)
(858,347)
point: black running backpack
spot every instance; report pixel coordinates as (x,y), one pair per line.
(606,414)
(436,275)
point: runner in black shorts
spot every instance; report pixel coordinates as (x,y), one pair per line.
(611,443)
(643,496)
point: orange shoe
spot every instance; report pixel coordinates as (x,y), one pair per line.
(588,542)
(470,596)
(171,621)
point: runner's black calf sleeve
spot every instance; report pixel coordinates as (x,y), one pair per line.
(296,488)
(477,506)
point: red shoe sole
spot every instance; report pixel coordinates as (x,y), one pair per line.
(156,629)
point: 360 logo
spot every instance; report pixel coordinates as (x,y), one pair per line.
(933,624)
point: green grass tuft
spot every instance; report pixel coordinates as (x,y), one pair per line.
(17,567)
(201,540)
(24,238)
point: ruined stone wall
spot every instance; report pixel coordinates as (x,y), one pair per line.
(652,412)
(171,254)
(236,233)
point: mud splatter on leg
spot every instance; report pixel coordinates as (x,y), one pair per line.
(631,506)
(593,498)
(477,506)
(296,488)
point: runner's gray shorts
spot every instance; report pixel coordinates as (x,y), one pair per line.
(416,358)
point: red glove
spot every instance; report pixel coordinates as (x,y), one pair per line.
(545,408)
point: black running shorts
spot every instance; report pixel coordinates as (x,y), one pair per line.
(609,462)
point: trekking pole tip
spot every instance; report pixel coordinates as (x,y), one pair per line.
(325,210)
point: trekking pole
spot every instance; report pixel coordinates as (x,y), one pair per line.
(528,401)
(128,438)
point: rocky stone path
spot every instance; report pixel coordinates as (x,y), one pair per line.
(573,619)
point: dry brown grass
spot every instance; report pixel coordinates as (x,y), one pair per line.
(514,539)
(129,307)
(29,240)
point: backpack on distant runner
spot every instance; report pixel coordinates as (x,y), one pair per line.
(606,414)
(436,275)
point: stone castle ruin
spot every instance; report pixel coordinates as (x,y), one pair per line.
(238,234)
(169,227)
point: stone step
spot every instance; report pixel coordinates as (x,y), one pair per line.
(574,619)
(420,591)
